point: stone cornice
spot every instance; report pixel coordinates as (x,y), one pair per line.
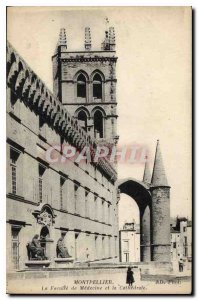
(75,53)
(91,103)
(30,89)
(88,82)
(89,59)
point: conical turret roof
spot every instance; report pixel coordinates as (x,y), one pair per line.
(147,173)
(159,175)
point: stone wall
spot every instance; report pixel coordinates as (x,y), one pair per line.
(68,65)
(89,215)
(160,224)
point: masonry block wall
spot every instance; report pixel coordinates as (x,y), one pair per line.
(145,234)
(153,199)
(80,200)
(68,66)
(160,243)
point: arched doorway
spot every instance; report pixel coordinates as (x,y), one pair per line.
(139,192)
(98,124)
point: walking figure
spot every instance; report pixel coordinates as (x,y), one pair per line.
(87,256)
(181,265)
(130,278)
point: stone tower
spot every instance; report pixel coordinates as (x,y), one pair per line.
(85,82)
(160,211)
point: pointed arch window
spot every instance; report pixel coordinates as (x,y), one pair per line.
(81,86)
(82,119)
(97,87)
(98,124)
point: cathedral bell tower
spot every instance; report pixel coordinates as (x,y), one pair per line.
(85,82)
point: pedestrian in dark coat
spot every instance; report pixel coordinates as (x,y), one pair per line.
(181,265)
(129,278)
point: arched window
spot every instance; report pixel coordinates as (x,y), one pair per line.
(97,86)
(82,119)
(44,232)
(81,86)
(98,124)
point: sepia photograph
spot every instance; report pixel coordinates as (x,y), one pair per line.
(98,150)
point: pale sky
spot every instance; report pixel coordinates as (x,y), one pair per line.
(153,71)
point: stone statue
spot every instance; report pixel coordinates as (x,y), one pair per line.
(35,251)
(61,249)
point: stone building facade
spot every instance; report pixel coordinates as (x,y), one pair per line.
(129,239)
(181,242)
(75,201)
(85,83)
(60,197)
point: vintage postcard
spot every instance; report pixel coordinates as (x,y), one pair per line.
(99,150)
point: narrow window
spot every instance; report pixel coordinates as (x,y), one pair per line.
(126,257)
(185,246)
(81,86)
(62,181)
(109,246)
(96,207)
(112,126)
(82,119)
(115,246)
(97,87)
(108,216)
(15,246)
(103,212)
(41,172)
(14,179)
(96,247)
(86,204)
(76,186)
(103,247)
(14,155)
(125,245)
(98,124)
(76,246)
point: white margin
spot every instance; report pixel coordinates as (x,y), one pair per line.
(3,4)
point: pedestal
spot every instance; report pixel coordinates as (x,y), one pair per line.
(37,264)
(64,262)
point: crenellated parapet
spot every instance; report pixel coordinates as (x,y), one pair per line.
(30,89)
